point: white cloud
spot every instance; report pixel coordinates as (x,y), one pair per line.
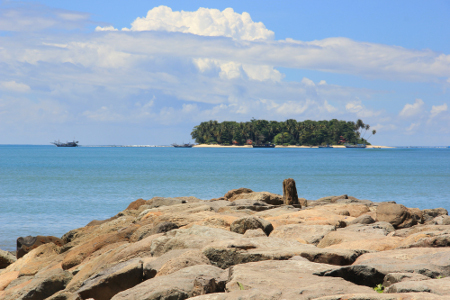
(356,107)
(412,128)
(204,21)
(14,86)
(410,110)
(437,109)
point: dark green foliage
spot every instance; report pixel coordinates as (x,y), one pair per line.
(289,132)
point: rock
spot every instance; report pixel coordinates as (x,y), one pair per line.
(361,275)
(244,224)
(43,285)
(398,215)
(431,262)
(427,239)
(6,259)
(238,251)
(26,244)
(216,205)
(6,278)
(290,196)
(246,204)
(350,209)
(231,195)
(195,237)
(371,244)
(64,295)
(363,219)
(266,197)
(186,259)
(182,284)
(434,286)
(156,202)
(429,214)
(342,236)
(392,278)
(377,228)
(105,284)
(403,296)
(100,222)
(440,220)
(293,280)
(309,216)
(311,234)
(136,204)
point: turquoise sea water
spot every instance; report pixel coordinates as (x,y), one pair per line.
(45,190)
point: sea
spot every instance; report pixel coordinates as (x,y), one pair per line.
(46,190)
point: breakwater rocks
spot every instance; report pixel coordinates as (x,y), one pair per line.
(245,245)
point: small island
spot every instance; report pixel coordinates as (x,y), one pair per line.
(288,133)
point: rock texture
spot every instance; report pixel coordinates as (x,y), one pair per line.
(245,245)
(290,196)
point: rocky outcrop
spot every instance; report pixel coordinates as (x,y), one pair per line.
(398,215)
(290,196)
(28,243)
(247,223)
(6,259)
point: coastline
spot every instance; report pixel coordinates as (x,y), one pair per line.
(279,146)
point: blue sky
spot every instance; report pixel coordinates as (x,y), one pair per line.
(146,72)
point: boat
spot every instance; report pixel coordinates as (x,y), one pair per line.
(68,144)
(264,146)
(356,146)
(325,146)
(188,145)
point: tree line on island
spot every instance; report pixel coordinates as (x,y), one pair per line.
(289,132)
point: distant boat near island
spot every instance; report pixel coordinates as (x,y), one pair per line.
(188,145)
(264,146)
(67,144)
(356,146)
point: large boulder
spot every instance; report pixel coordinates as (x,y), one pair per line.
(244,224)
(266,197)
(28,243)
(433,286)
(398,215)
(105,284)
(290,196)
(349,240)
(185,283)
(430,214)
(311,234)
(6,259)
(231,195)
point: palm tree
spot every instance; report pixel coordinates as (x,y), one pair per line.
(373,133)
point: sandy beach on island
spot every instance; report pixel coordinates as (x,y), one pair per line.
(279,146)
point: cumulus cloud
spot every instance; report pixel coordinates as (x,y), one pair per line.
(437,109)
(204,21)
(410,110)
(356,107)
(14,86)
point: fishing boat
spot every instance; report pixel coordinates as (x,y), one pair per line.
(264,146)
(188,145)
(67,144)
(356,146)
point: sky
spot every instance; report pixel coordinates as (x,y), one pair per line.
(146,72)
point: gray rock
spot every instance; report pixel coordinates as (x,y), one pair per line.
(216,205)
(243,224)
(252,233)
(185,283)
(253,205)
(431,262)
(312,234)
(6,259)
(290,279)
(266,197)
(392,278)
(363,219)
(398,215)
(429,214)
(111,281)
(195,237)
(361,275)
(434,286)
(64,295)
(439,220)
(378,228)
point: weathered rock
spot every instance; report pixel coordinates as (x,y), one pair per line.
(6,259)
(377,228)
(136,204)
(195,237)
(238,251)
(371,244)
(429,214)
(402,296)
(186,259)
(293,280)
(265,197)
(431,262)
(290,196)
(434,286)
(440,220)
(6,278)
(64,295)
(28,243)
(361,275)
(43,285)
(311,234)
(246,204)
(182,284)
(309,216)
(351,209)
(342,236)
(104,285)
(252,233)
(392,278)
(427,239)
(398,215)
(244,224)
(363,219)
(231,195)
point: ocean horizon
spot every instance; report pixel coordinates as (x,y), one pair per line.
(47,190)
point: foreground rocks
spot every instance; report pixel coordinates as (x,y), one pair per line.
(244,245)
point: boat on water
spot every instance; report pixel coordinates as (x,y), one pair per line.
(264,146)
(188,145)
(356,146)
(325,146)
(67,144)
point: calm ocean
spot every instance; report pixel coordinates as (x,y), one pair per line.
(45,190)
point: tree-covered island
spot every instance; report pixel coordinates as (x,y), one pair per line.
(289,132)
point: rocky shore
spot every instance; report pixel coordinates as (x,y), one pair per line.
(244,245)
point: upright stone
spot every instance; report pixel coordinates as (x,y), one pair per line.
(290,196)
